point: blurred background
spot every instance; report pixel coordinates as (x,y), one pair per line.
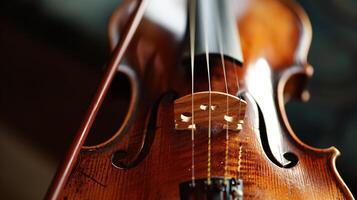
(52,55)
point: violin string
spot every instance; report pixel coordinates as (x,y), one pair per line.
(239,161)
(239,110)
(240,144)
(192,21)
(209,96)
(220,46)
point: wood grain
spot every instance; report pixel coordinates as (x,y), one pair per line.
(227,111)
(151,159)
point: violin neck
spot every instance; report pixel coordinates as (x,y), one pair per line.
(216,28)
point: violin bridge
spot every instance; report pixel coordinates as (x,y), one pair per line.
(227,111)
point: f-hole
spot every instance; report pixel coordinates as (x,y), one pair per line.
(264,139)
(119,158)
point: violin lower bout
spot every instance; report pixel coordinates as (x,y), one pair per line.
(168,163)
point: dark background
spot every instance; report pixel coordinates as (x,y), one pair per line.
(52,54)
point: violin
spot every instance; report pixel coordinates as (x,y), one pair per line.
(206,118)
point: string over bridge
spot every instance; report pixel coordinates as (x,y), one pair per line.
(227,111)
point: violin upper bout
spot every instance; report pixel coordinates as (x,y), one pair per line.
(294,77)
(117,20)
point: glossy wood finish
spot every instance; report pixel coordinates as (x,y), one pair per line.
(275,37)
(230,115)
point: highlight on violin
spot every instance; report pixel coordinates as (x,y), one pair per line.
(178,99)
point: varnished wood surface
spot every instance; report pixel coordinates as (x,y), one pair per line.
(280,37)
(226,111)
(168,164)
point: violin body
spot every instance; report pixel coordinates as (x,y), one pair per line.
(147,158)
